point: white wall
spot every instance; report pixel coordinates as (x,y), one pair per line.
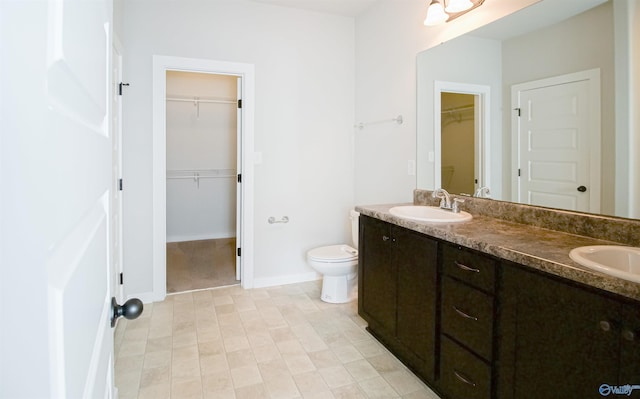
(304,92)
(388,38)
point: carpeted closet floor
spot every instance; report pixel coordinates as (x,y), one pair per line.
(193,265)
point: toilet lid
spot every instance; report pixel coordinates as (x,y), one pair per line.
(333,253)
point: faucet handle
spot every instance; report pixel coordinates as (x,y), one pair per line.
(455,206)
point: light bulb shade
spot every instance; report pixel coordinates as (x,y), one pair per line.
(454,6)
(435,14)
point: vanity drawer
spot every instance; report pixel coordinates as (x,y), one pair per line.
(469,266)
(463,375)
(467,316)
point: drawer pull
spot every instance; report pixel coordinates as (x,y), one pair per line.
(466,268)
(463,314)
(463,378)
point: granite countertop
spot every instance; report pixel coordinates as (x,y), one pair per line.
(541,249)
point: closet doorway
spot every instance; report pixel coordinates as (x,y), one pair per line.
(202,187)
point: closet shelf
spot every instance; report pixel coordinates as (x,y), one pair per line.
(197,100)
(197,174)
(200,173)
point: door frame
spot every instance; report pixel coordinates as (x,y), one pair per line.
(117,54)
(161,64)
(595,174)
(482,128)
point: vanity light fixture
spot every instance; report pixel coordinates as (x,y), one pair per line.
(440,11)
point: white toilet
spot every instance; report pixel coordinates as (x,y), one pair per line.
(339,266)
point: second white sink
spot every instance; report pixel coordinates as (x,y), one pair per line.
(429,214)
(614,260)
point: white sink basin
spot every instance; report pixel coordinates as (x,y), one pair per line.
(429,214)
(618,261)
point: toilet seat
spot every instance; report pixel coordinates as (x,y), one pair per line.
(333,254)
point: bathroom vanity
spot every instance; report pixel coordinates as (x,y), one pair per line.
(494,307)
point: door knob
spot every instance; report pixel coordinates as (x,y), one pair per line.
(582,189)
(130,310)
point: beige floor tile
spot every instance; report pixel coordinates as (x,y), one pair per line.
(361,370)
(266,353)
(273,369)
(278,342)
(255,391)
(213,364)
(155,376)
(324,359)
(298,364)
(336,376)
(157,391)
(351,391)
(347,353)
(217,382)
(378,388)
(310,382)
(282,387)
(403,381)
(157,359)
(186,388)
(246,376)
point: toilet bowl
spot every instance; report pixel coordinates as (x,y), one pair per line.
(339,265)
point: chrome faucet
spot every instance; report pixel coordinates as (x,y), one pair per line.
(445,200)
(482,192)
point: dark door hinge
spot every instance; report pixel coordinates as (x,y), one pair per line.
(120,184)
(121,279)
(518,172)
(239,252)
(240,103)
(120,87)
(239,177)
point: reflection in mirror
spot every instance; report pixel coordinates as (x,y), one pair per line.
(457,132)
(499,57)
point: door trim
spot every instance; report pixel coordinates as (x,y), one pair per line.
(593,77)
(246,71)
(482,127)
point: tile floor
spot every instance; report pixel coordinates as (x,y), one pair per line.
(193,265)
(277,342)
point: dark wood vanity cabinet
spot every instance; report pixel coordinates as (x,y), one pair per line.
(468,307)
(562,340)
(476,327)
(397,291)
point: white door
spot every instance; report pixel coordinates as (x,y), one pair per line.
(555,123)
(56,193)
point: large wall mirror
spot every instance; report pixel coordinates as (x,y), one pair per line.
(534,106)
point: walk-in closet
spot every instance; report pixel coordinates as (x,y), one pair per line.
(458,144)
(201,161)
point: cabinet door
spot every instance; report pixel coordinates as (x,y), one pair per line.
(630,346)
(563,338)
(416,257)
(377,276)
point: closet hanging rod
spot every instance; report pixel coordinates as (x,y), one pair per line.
(200,100)
(457,109)
(200,173)
(398,119)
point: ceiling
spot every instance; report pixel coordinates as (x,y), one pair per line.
(347,8)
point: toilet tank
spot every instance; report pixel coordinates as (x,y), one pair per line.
(354,216)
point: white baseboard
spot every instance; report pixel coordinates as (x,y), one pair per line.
(145,297)
(261,282)
(199,237)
